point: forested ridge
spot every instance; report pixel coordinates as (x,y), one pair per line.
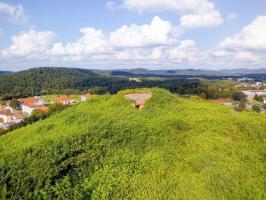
(41,81)
(48,80)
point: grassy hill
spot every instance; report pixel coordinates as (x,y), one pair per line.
(173,148)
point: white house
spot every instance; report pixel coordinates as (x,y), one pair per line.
(28,105)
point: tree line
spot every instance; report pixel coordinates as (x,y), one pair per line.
(48,80)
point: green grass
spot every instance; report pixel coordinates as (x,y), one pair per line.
(174,148)
(50,97)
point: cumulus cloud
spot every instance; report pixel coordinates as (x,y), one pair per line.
(91,42)
(155,43)
(251,37)
(29,44)
(158,33)
(194,13)
(14,13)
(248,47)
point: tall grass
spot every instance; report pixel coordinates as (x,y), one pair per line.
(173,148)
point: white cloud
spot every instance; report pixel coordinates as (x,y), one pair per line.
(194,13)
(158,33)
(205,19)
(111,5)
(29,44)
(185,51)
(153,44)
(251,37)
(13,12)
(92,42)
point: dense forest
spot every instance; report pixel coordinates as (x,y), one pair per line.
(43,81)
(173,148)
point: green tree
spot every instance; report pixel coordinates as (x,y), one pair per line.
(14,103)
(239,96)
(98,90)
(258,98)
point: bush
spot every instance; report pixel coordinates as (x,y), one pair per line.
(241,107)
(256,108)
(239,96)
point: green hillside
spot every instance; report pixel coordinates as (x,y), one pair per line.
(173,148)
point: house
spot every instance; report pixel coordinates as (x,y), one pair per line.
(65,100)
(28,105)
(85,97)
(264,100)
(6,114)
(9,116)
(251,93)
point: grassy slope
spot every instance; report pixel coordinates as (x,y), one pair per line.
(105,149)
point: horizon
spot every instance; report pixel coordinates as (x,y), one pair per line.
(138,68)
(129,34)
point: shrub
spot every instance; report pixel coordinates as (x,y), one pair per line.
(256,108)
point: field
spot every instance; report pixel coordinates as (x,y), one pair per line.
(104,148)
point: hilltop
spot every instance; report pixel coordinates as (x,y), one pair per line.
(105,148)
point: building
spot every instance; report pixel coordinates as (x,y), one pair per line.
(9,116)
(65,100)
(85,97)
(28,105)
(251,93)
(6,115)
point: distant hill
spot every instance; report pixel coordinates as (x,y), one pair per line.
(48,80)
(173,148)
(5,72)
(184,73)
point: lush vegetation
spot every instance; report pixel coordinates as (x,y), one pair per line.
(45,81)
(104,148)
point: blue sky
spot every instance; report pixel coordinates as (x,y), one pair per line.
(155,34)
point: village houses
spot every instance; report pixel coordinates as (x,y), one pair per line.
(65,100)
(9,116)
(28,105)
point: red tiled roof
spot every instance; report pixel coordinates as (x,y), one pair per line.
(5,112)
(1,120)
(30,101)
